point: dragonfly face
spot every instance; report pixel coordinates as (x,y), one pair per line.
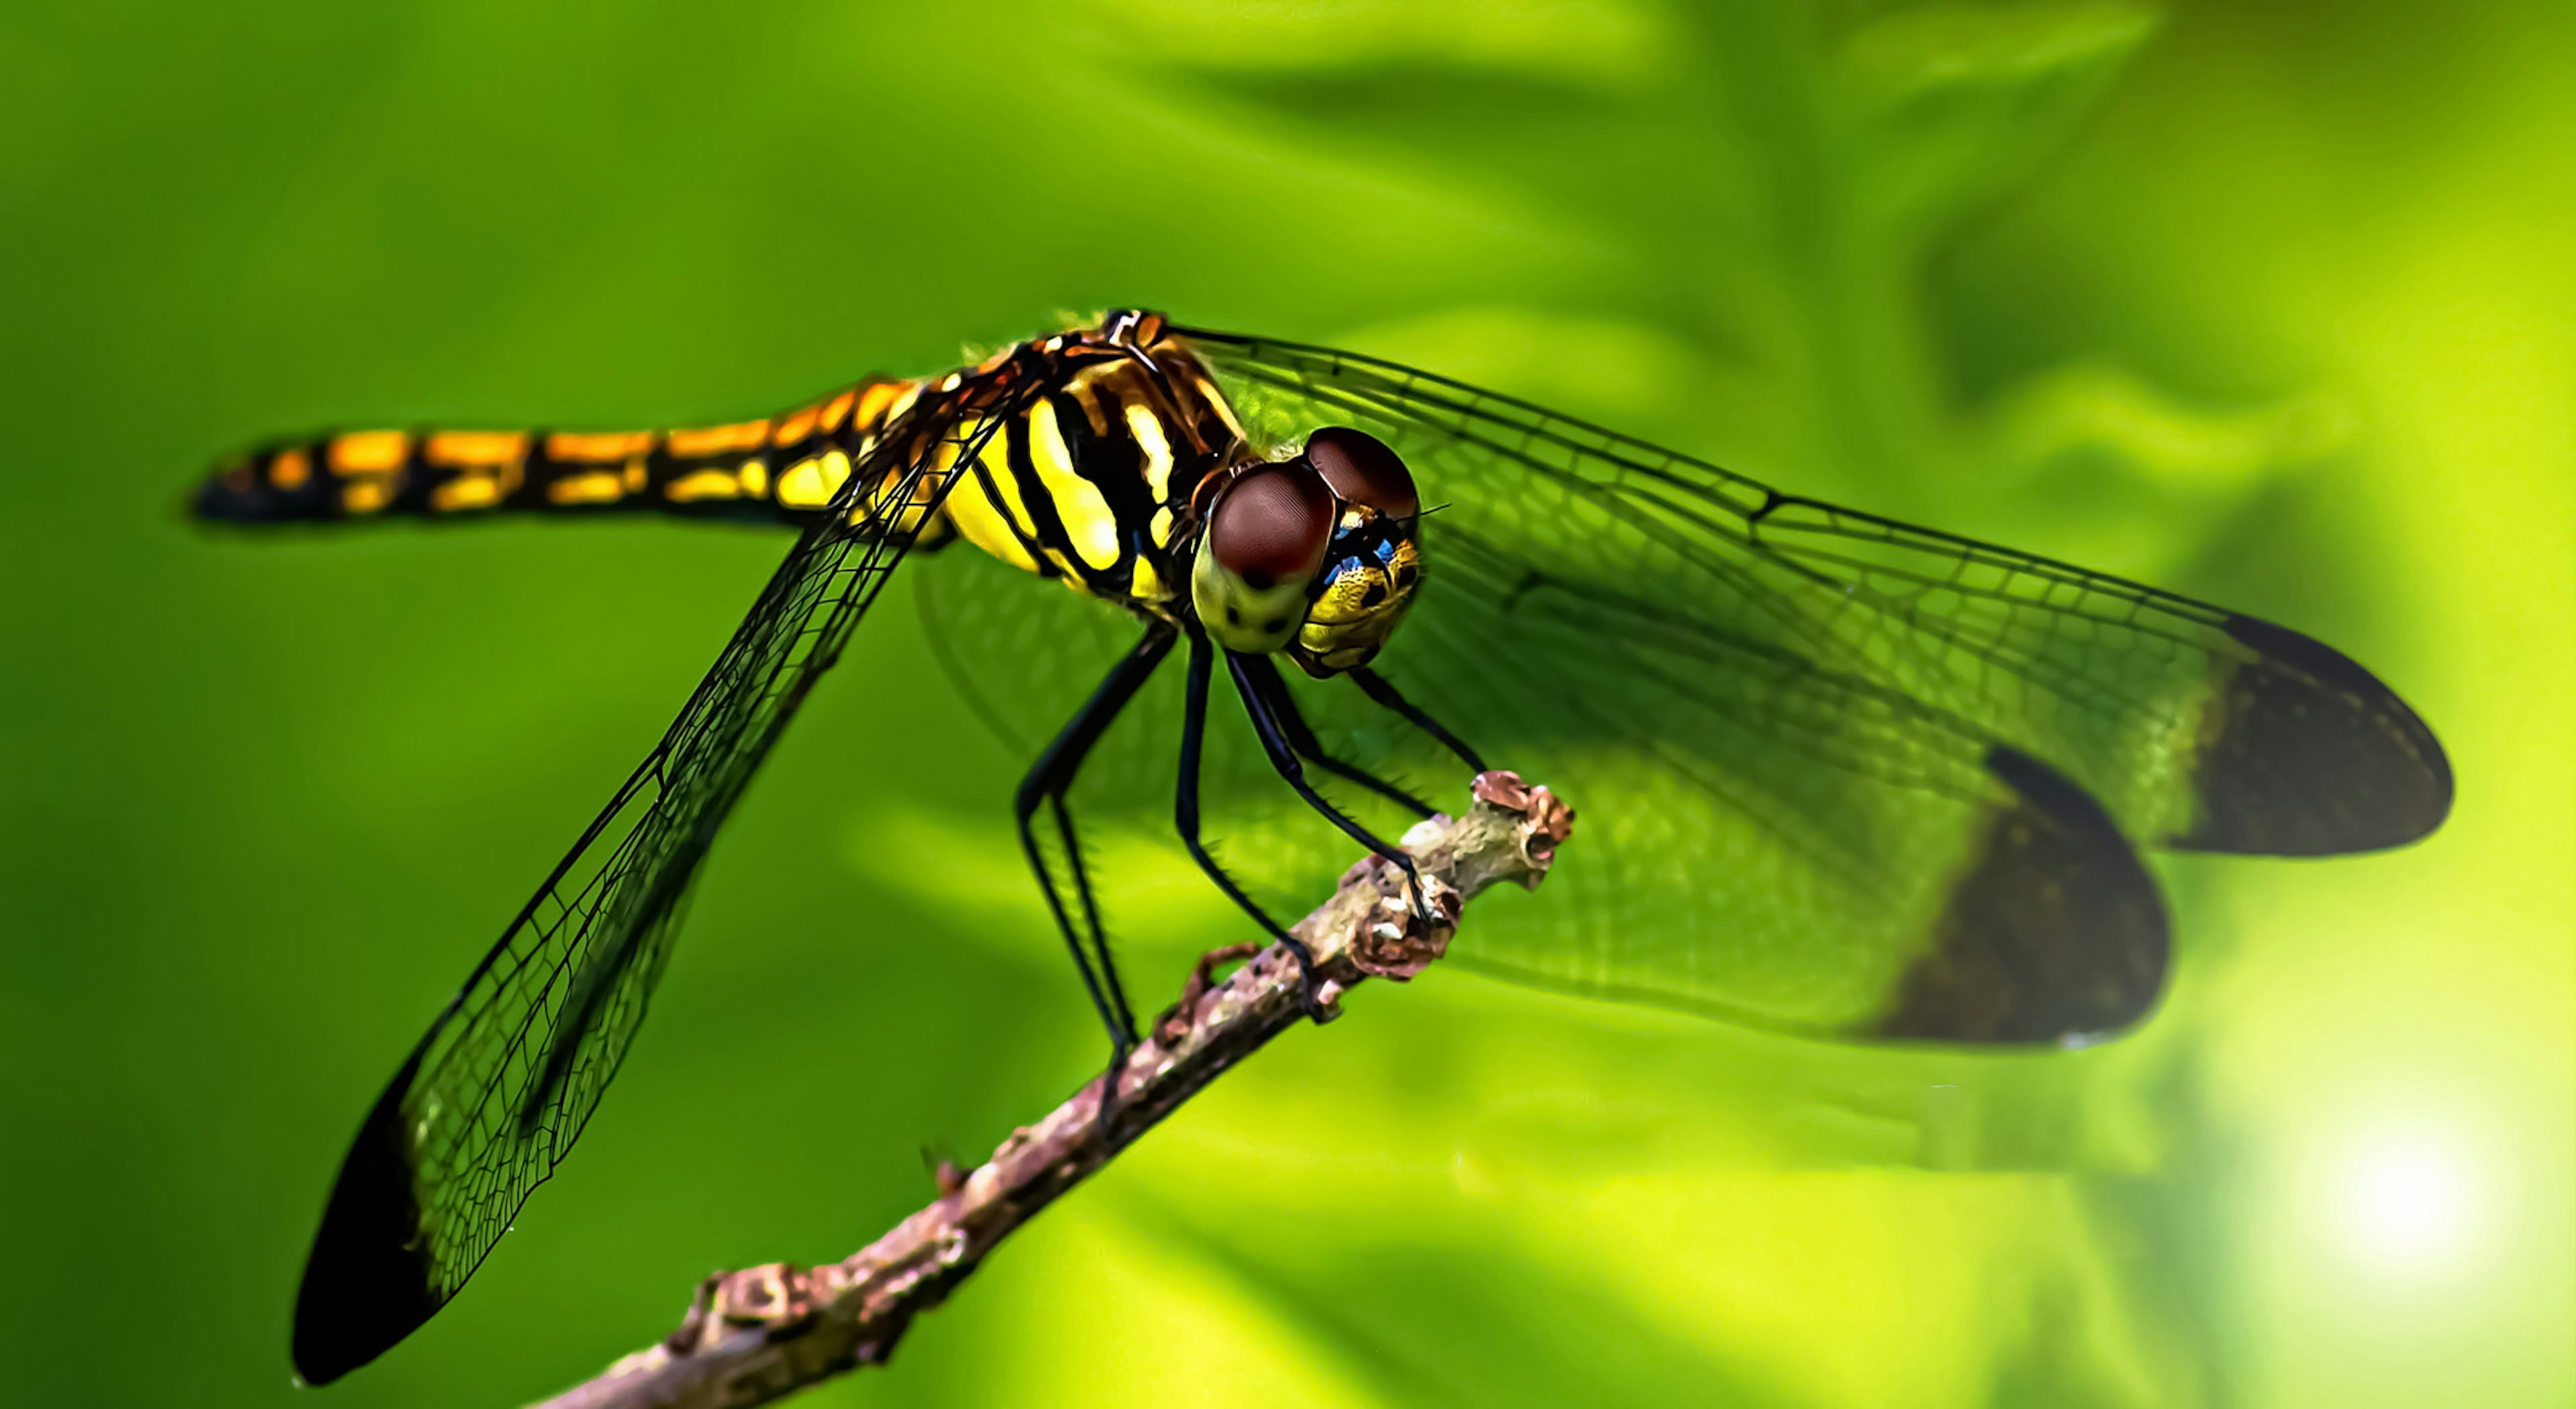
(1316,556)
(1842,776)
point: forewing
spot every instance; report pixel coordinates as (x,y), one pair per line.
(495,1093)
(1837,774)
(2207,730)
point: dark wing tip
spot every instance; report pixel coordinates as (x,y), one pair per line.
(2054,931)
(2304,753)
(367,1284)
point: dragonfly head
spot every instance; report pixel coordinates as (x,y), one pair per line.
(1316,556)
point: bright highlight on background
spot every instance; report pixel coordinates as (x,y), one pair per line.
(2406,1199)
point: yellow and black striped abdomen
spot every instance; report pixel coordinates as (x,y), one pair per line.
(782,468)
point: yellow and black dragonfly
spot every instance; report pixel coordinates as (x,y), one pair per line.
(1841,775)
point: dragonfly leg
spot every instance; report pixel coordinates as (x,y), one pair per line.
(1046,785)
(1283,760)
(1376,687)
(1264,676)
(1185,816)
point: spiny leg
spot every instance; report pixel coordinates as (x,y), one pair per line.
(1283,761)
(1376,687)
(1046,783)
(1274,692)
(1090,906)
(1185,817)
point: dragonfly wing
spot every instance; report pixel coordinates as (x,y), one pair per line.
(1840,775)
(2210,730)
(496,1092)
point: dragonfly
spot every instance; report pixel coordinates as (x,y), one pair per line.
(1843,776)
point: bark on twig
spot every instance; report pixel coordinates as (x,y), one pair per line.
(764,1332)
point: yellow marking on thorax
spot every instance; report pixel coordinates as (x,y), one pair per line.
(979,520)
(1089,526)
(1224,411)
(1147,428)
(1146,584)
(1087,397)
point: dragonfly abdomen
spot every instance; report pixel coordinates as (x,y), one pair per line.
(782,468)
(1085,484)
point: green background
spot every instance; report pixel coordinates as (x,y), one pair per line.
(2272,303)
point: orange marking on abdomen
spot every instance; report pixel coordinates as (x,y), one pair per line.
(837,410)
(874,401)
(718,440)
(368,452)
(573,449)
(290,469)
(796,425)
(476,449)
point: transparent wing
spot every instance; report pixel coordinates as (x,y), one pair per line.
(496,1092)
(1023,662)
(1837,773)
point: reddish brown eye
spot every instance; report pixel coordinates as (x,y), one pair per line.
(1271,525)
(1362,469)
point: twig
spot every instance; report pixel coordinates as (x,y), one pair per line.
(764,1332)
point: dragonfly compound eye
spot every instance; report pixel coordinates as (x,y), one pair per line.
(1362,469)
(1265,541)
